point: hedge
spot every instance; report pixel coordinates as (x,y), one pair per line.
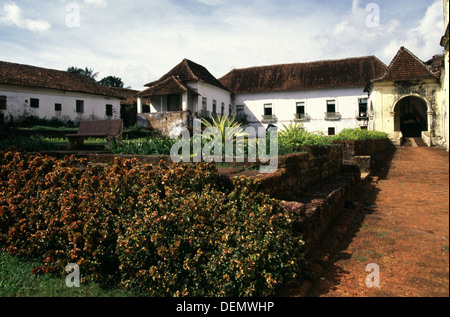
(160,230)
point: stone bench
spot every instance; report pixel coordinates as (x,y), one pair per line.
(111,130)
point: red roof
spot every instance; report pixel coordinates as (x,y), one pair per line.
(31,76)
(171,85)
(406,66)
(344,73)
(189,71)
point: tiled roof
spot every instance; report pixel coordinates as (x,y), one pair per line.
(170,85)
(344,73)
(405,67)
(31,76)
(189,71)
(129,95)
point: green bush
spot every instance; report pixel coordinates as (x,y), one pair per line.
(210,244)
(359,134)
(147,146)
(159,230)
(294,137)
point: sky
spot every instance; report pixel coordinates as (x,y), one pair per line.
(141,40)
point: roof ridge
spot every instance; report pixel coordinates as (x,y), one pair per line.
(397,56)
(311,62)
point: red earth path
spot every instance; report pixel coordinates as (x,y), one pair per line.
(402,226)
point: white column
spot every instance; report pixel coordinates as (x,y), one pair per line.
(184,102)
(139,105)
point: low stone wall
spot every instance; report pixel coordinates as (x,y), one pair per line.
(366,154)
(298,172)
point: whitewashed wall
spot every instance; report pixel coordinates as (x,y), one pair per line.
(18,104)
(212,93)
(284,108)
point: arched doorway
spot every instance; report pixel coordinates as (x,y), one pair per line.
(411,116)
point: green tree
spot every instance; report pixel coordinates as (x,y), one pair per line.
(86,72)
(112,81)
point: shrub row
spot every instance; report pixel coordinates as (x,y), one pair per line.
(160,230)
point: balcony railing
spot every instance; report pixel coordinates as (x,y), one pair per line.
(205,114)
(269,119)
(241,118)
(362,116)
(332,116)
(302,117)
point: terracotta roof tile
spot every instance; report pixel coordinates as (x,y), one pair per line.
(170,85)
(190,71)
(344,73)
(26,75)
(405,67)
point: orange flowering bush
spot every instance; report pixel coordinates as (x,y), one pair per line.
(161,230)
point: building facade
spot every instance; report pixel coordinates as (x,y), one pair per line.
(324,96)
(46,93)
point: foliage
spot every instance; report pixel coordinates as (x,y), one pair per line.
(359,134)
(86,72)
(112,81)
(145,146)
(231,132)
(28,144)
(159,230)
(293,137)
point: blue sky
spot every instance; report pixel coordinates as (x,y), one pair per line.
(140,40)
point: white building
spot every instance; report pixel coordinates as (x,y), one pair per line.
(46,93)
(186,92)
(325,96)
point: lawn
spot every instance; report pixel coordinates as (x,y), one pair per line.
(16,280)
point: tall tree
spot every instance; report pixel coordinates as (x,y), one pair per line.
(86,72)
(112,81)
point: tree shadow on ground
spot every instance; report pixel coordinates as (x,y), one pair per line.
(344,230)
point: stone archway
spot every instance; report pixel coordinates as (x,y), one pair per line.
(411,116)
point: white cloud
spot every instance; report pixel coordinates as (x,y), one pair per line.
(14,16)
(355,34)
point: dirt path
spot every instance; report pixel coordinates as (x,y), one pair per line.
(403,227)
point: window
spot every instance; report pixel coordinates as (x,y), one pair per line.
(2,102)
(362,107)
(331,106)
(268,110)
(58,107)
(300,112)
(230,110)
(109,110)
(34,103)
(331,131)
(300,108)
(204,104)
(214,109)
(80,106)
(222,108)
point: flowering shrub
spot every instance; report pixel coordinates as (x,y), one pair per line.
(167,231)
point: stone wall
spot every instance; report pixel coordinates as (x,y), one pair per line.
(298,172)
(366,154)
(168,123)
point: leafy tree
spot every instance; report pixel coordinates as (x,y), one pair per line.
(112,81)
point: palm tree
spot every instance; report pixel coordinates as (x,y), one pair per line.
(88,73)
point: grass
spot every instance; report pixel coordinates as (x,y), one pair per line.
(16,280)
